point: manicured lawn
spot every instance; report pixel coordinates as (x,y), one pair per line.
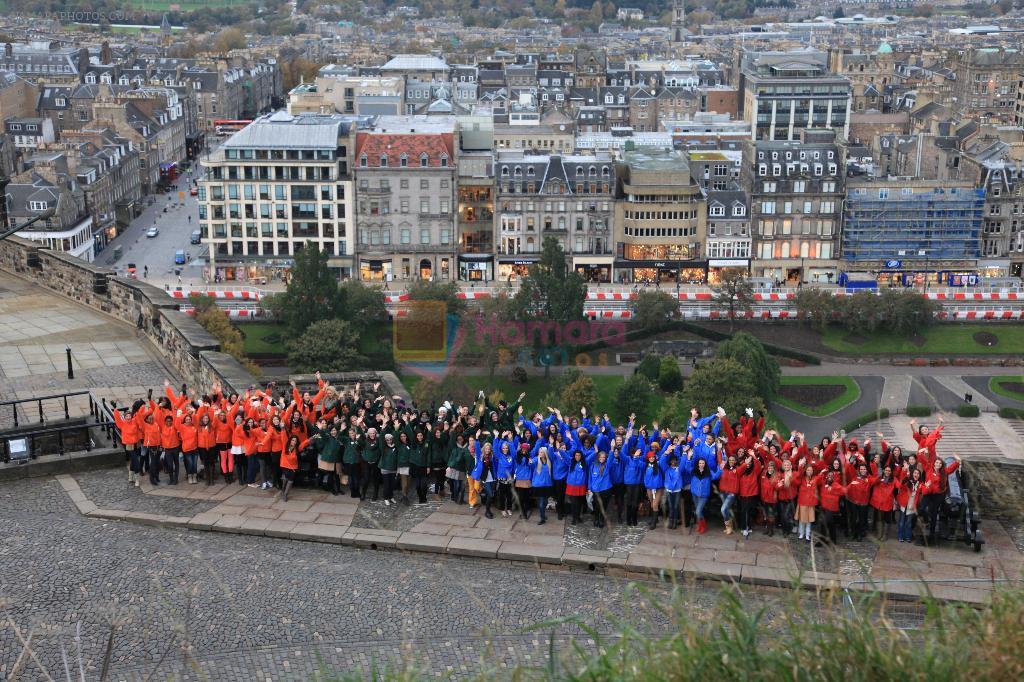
(955,339)
(262,338)
(995,384)
(536,387)
(850,393)
(772,422)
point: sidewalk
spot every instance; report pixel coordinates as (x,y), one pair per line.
(635,553)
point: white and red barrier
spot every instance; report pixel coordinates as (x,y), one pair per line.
(774,297)
(608,314)
(986,315)
(233,313)
(223,294)
(598,296)
(975,296)
(695,296)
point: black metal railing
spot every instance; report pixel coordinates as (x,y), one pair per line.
(63,435)
(39,400)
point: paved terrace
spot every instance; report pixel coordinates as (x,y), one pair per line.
(445,528)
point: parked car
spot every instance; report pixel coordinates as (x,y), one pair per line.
(197,237)
(152,232)
(179,257)
(194,191)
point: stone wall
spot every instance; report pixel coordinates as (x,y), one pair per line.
(189,349)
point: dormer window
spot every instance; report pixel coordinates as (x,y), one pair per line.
(444,161)
(60,102)
(739,210)
(362,160)
(403,160)
(90,78)
(383,160)
(37,205)
(424,161)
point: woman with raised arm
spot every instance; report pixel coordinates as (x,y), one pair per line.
(936,485)
(541,482)
(576,485)
(701,478)
(523,475)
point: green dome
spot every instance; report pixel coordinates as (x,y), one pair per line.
(885,48)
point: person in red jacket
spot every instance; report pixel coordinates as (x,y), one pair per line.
(806,500)
(224,426)
(858,494)
(290,463)
(769,491)
(188,432)
(883,501)
(926,439)
(728,488)
(909,491)
(207,436)
(787,487)
(936,486)
(150,441)
(749,489)
(832,492)
(170,441)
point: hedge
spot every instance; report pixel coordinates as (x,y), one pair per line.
(1011,413)
(860,421)
(968,410)
(919,411)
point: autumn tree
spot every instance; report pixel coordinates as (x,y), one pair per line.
(733,293)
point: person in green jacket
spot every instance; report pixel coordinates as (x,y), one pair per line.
(438,444)
(328,447)
(388,466)
(404,453)
(459,462)
(370,455)
(351,459)
(419,464)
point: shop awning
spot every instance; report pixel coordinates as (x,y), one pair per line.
(476,257)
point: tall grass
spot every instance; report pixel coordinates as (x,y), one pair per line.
(826,637)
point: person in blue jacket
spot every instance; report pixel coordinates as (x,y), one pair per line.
(601,487)
(542,482)
(654,483)
(523,475)
(673,490)
(576,485)
(504,467)
(617,461)
(701,478)
(633,479)
(560,469)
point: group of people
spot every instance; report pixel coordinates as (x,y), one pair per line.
(499,458)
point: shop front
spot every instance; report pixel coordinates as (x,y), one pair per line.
(257,273)
(476,267)
(514,269)
(660,272)
(340,267)
(375,270)
(796,271)
(595,269)
(717,265)
(896,273)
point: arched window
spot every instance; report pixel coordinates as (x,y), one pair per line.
(504,171)
(592,172)
(530,171)
(805,249)
(579,171)
(518,172)
(604,171)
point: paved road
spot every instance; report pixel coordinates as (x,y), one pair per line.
(192,605)
(158,252)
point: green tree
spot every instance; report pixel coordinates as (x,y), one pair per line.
(325,346)
(579,394)
(734,294)
(362,305)
(228,39)
(650,366)
(485,344)
(670,379)
(816,307)
(861,313)
(312,293)
(906,312)
(750,353)
(722,382)
(634,396)
(652,309)
(213,320)
(447,292)
(551,292)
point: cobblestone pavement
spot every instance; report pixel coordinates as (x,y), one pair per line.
(111,491)
(194,605)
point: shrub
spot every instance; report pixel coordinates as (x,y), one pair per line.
(749,352)
(919,411)
(650,366)
(860,421)
(634,395)
(968,410)
(519,375)
(670,379)
(1011,413)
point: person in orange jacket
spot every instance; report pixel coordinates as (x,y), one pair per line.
(170,441)
(188,434)
(131,438)
(150,441)
(290,463)
(207,436)
(832,492)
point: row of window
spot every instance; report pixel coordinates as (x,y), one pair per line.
(382,237)
(385,184)
(515,223)
(660,215)
(295,230)
(280,192)
(549,206)
(384,208)
(786,226)
(728,249)
(403,160)
(787,207)
(517,171)
(554,188)
(803,169)
(659,231)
